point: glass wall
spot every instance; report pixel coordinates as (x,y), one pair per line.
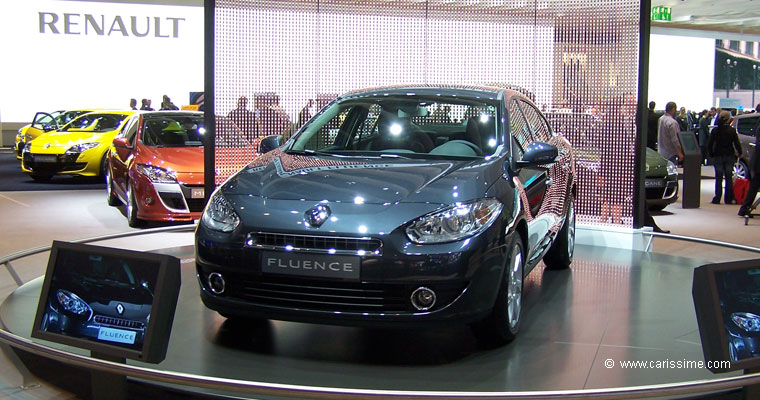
(277,62)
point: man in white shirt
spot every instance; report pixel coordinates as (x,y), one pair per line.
(667,135)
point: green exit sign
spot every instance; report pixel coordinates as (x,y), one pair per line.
(661,13)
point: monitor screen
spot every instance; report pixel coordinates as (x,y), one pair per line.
(111,301)
(727,302)
(689,142)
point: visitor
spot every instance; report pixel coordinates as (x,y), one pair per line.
(724,148)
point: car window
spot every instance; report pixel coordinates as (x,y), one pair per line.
(519,127)
(404,125)
(95,123)
(746,126)
(536,122)
(130,130)
(173,131)
(43,120)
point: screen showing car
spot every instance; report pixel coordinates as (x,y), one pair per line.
(739,297)
(100,298)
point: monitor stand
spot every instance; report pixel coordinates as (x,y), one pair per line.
(107,385)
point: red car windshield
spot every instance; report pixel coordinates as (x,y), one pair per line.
(173,131)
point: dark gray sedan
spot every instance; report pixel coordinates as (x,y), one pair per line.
(395,207)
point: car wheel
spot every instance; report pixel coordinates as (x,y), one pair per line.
(41,178)
(502,325)
(741,170)
(132,219)
(560,255)
(104,166)
(111,197)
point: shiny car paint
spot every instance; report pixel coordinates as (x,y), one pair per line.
(156,201)
(50,153)
(370,204)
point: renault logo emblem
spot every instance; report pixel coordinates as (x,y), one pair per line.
(316,216)
(120,309)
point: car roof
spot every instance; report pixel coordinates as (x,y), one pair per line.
(431,89)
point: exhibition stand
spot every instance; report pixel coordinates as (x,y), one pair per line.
(611,304)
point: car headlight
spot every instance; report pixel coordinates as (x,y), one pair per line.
(672,169)
(455,222)
(79,148)
(219,215)
(157,174)
(747,321)
(73,304)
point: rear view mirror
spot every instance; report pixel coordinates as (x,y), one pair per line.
(121,142)
(538,153)
(269,143)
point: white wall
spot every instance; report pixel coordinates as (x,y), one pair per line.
(681,69)
(100,65)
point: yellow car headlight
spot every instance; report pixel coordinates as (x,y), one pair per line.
(79,148)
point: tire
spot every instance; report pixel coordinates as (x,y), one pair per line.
(132,219)
(502,325)
(741,170)
(41,178)
(560,255)
(111,197)
(103,166)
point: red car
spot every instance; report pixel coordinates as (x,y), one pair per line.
(155,167)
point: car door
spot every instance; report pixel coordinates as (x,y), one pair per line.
(556,176)
(533,178)
(122,154)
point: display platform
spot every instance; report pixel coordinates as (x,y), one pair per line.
(612,306)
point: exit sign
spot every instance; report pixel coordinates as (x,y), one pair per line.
(661,13)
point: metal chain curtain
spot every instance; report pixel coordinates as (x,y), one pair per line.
(277,62)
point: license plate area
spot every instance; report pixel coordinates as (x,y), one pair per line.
(197,193)
(45,158)
(311,265)
(654,183)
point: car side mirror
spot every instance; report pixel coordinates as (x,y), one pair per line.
(269,143)
(48,128)
(121,142)
(538,153)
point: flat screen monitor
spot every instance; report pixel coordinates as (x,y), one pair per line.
(114,302)
(689,143)
(727,303)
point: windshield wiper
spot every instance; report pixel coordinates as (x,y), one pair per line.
(390,155)
(310,152)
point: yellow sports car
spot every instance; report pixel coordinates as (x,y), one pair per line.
(78,148)
(44,122)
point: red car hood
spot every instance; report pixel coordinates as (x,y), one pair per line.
(187,161)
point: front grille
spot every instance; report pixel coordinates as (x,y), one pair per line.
(196,205)
(336,245)
(655,193)
(173,200)
(63,163)
(336,296)
(122,323)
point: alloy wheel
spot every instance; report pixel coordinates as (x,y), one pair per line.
(514,288)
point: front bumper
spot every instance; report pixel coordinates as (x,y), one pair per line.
(167,201)
(83,164)
(661,190)
(465,276)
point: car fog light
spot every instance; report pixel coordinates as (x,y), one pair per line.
(216,283)
(423,299)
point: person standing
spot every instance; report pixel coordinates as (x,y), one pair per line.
(244,119)
(724,147)
(704,132)
(166,104)
(146,105)
(652,118)
(133,104)
(754,172)
(667,135)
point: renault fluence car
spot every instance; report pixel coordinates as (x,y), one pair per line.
(155,167)
(396,207)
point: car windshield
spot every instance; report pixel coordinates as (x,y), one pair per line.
(403,126)
(95,123)
(173,131)
(66,117)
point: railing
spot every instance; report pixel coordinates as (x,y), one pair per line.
(313,392)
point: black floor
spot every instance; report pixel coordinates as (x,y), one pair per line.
(12,179)
(612,304)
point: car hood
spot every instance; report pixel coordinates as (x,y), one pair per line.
(281,176)
(64,140)
(180,159)
(657,165)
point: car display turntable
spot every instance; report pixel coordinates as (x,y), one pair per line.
(581,330)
